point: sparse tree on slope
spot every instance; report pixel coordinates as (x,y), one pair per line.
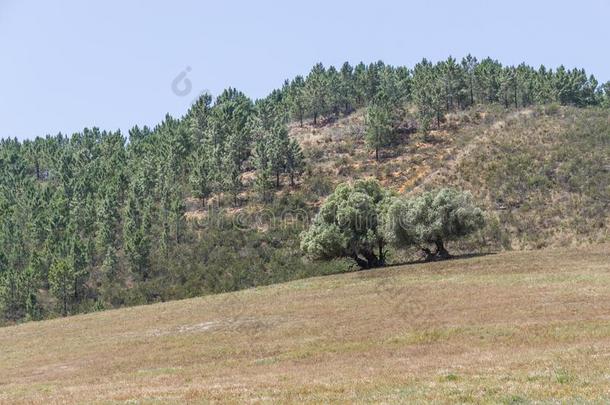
(317,91)
(379,129)
(295,162)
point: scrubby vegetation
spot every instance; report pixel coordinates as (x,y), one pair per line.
(216,200)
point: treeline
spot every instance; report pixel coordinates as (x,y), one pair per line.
(434,88)
(97,219)
(439,87)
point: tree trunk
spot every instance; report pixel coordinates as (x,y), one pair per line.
(377,154)
(315,118)
(372,260)
(75,289)
(441,252)
(277,179)
(292,179)
(363,264)
(65,299)
(429,254)
(381,255)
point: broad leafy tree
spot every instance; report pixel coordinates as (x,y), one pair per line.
(348,225)
(432,218)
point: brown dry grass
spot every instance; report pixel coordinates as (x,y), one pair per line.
(531,326)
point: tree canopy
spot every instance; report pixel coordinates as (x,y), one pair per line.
(348,225)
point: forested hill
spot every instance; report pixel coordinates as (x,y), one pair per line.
(215,200)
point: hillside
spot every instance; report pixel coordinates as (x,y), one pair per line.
(511,327)
(218,200)
(542,174)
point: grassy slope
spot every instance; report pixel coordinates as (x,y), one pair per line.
(505,327)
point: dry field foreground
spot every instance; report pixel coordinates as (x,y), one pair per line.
(513,327)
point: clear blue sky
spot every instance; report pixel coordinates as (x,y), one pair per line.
(70,64)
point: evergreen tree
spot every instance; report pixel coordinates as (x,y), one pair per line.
(263,182)
(62,278)
(136,236)
(346,88)
(197,119)
(297,99)
(295,162)
(201,175)
(379,129)
(606,94)
(278,151)
(333,90)
(450,74)
(488,79)
(508,86)
(428,92)
(469,66)
(316,91)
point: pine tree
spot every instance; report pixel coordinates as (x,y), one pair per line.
(346,88)
(262,164)
(429,92)
(333,89)
(295,162)
(606,94)
(508,86)
(278,150)
(360,80)
(200,178)
(62,278)
(176,214)
(469,65)
(316,90)
(451,81)
(232,176)
(379,129)
(488,74)
(525,76)
(136,235)
(297,98)
(543,86)
(197,119)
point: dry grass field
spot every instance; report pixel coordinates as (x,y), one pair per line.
(506,328)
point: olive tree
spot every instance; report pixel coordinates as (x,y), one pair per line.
(432,218)
(348,225)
